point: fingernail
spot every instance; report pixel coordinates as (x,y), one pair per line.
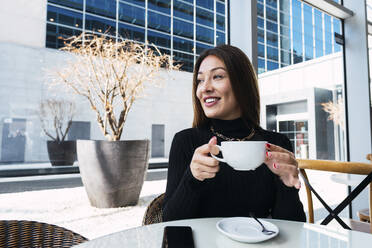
(275,165)
(268,154)
(267,145)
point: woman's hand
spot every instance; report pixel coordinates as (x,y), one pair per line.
(283,163)
(202,165)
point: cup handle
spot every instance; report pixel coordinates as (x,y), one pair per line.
(219,159)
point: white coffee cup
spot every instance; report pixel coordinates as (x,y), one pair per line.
(242,155)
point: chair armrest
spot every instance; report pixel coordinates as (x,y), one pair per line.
(335,166)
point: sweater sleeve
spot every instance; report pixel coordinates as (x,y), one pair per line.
(183,191)
(287,203)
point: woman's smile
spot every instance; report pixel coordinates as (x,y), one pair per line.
(211,101)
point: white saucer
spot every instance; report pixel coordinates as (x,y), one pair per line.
(244,229)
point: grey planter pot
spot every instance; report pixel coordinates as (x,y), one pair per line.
(62,153)
(113,172)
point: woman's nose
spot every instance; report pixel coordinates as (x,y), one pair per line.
(207,85)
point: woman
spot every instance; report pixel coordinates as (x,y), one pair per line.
(227,107)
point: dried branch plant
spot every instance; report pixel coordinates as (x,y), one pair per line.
(336,112)
(111,76)
(56,115)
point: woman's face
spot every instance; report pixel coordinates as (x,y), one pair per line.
(214,90)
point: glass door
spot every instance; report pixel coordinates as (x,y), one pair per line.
(297,132)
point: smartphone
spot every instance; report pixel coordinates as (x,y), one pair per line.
(178,237)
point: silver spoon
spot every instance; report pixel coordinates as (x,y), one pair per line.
(264,230)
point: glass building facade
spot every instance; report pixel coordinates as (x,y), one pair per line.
(182,28)
(291,32)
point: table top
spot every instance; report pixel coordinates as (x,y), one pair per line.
(347,179)
(291,234)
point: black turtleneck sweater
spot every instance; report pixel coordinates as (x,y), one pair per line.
(230,193)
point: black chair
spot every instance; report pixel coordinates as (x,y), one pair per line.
(24,233)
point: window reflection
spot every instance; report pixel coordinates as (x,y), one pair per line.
(272,53)
(183,45)
(272,39)
(158,39)
(63,16)
(160,5)
(285,57)
(220,22)
(76,4)
(100,25)
(158,21)
(137,2)
(204,34)
(102,7)
(183,10)
(186,60)
(200,47)
(131,32)
(208,4)
(220,7)
(272,26)
(220,38)
(131,14)
(204,17)
(271,14)
(182,28)
(55,35)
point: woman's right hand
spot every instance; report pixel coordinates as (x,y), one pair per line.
(202,165)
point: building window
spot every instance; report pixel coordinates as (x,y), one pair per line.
(183,45)
(102,7)
(131,32)
(75,4)
(204,17)
(200,47)
(128,21)
(204,34)
(183,10)
(182,28)
(159,22)
(160,5)
(131,14)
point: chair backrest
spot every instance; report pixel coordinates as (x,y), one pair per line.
(154,211)
(369,157)
(333,166)
(24,233)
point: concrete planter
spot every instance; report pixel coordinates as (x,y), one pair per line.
(62,153)
(113,172)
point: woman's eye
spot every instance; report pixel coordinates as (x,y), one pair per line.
(218,76)
(198,81)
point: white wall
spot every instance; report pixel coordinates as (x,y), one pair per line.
(324,72)
(23,22)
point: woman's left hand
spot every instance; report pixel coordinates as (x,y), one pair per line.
(283,163)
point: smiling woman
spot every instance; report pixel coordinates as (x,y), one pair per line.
(227,108)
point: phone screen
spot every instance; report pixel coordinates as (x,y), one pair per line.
(178,237)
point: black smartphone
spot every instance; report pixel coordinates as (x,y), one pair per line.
(178,237)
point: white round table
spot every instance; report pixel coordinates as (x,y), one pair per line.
(291,234)
(347,179)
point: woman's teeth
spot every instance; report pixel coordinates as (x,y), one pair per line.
(209,100)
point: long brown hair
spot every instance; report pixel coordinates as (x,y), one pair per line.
(243,81)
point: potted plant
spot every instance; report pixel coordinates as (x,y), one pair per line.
(56,118)
(111,76)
